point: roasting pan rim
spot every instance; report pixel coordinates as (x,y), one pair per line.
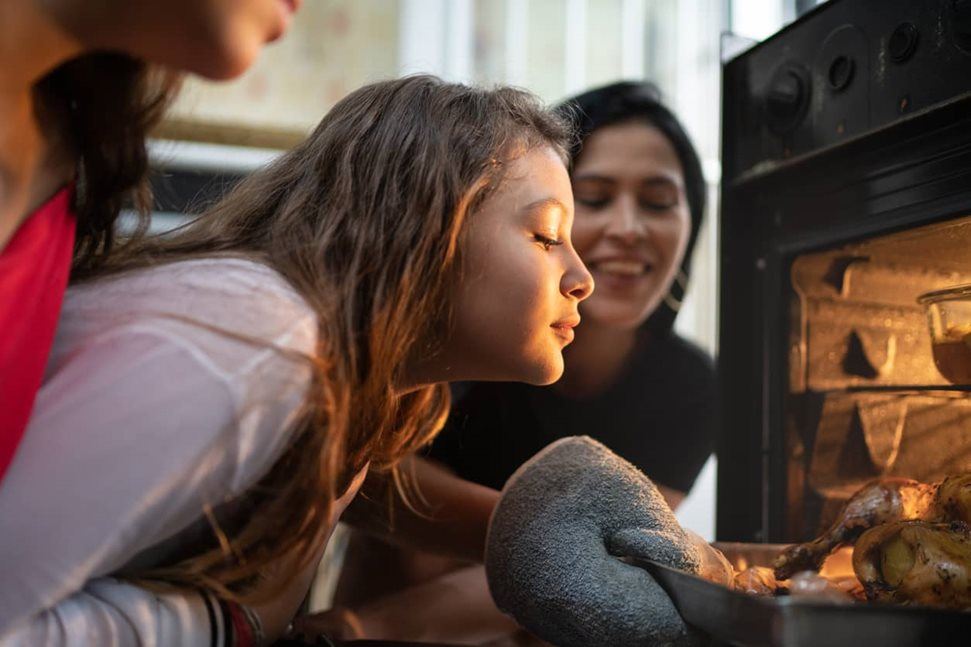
(785,621)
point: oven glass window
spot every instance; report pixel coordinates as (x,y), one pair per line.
(879,367)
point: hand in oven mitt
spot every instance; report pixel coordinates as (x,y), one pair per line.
(564,520)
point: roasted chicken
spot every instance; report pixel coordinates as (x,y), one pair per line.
(880,502)
(952,501)
(916,562)
(912,545)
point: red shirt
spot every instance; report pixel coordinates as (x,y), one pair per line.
(34,268)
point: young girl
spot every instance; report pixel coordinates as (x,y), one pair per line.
(81,84)
(629,381)
(215,398)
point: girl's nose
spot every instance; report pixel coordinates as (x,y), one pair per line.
(577,282)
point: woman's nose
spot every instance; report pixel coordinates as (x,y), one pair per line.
(625,223)
(577,282)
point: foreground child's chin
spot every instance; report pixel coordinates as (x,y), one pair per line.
(547,376)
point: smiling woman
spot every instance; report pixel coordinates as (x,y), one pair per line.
(633,220)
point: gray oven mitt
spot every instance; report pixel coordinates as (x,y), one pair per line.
(555,539)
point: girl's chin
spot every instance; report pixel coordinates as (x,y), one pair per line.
(538,369)
(546,373)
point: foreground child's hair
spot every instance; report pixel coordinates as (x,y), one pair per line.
(365,219)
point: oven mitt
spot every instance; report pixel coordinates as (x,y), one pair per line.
(553,554)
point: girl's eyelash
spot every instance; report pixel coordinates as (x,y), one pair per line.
(547,242)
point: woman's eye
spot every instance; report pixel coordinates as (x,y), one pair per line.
(546,242)
(592,202)
(658,200)
(652,205)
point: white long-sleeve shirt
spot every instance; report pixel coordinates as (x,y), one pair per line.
(166,392)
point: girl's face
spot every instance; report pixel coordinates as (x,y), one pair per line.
(632,220)
(217,39)
(516,302)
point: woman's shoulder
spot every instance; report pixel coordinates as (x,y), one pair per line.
(236,295)
(228,310)
(171,389)
(687,349)
(677,358)
(196,346)
(192,279)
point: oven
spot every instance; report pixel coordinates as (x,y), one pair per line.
(846,196)
(844,334)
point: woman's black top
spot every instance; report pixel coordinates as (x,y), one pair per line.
(659,415)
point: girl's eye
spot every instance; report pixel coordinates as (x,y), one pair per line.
(547,243)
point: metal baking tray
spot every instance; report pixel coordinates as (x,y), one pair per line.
(737,618)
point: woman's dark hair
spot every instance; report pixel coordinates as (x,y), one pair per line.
(101,107)
(641,101)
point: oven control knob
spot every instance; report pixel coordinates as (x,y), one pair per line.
(903,42)
(961,16)
(787,98)
(840,72)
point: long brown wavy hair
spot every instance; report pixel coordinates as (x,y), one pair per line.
(101,107)
(365,220)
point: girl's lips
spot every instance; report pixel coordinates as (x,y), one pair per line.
(564,332)
(564,327)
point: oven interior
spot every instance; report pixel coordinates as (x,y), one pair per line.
(871,391)
(845,198)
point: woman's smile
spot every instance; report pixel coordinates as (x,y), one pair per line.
(623,273)
(633,222)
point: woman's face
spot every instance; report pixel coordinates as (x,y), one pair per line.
(632,220)
(217,39)
(516,302)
